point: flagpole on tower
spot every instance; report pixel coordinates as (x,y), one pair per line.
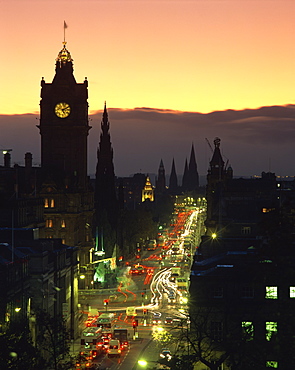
(65,26)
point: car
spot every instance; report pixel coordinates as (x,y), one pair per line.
(157,318)
(137,270)
(114,348)
(166,353)
(171,299)
(168,320)
(91,321)
(176,322)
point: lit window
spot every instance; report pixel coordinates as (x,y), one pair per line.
(49,223)
(248,330)
(273,364)
(216,330)
(247,292)
(63,223)
(246,230)
(218,292)
(271,329)
(46,204)
(267,210)
(51,203)
(271,292)
(292,291)
(63,241)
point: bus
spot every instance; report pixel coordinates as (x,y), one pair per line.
(105,320)
(91,342)
(122,335)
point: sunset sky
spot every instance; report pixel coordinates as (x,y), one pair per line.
(194,55)
(183,56)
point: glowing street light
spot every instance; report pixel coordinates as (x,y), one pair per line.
(214,236)
(142,363)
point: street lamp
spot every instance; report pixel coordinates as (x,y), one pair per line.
(142,363)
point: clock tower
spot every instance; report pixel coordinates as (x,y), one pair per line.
(64,124)
(64,184)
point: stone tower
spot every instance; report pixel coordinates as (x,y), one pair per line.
(106,204)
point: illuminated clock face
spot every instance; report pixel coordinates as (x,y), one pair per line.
(62,110)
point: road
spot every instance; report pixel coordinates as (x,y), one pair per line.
(151,291)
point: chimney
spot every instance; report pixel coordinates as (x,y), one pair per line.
(28,160)
(7,159)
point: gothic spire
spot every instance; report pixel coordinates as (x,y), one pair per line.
(193,177)
(173,179)
(106,205)
(217,161)
(161,180)
(185,177)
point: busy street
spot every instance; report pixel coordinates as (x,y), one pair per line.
(124,326)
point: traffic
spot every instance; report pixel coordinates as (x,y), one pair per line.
(153,300)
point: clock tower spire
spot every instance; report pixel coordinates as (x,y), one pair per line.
(64,123)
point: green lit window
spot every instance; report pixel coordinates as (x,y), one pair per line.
(271,292)
(248,329)
(292,291)
(271,328)
(273,364)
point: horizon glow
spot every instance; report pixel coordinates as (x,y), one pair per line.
(197,56)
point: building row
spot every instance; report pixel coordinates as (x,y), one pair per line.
(242,298)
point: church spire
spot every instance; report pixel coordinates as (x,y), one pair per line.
(161,180)
(217,163)
(185,177)
(193,176)
(173,179)
(105,125)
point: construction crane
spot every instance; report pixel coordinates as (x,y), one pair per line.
(5,151)
(208,142)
